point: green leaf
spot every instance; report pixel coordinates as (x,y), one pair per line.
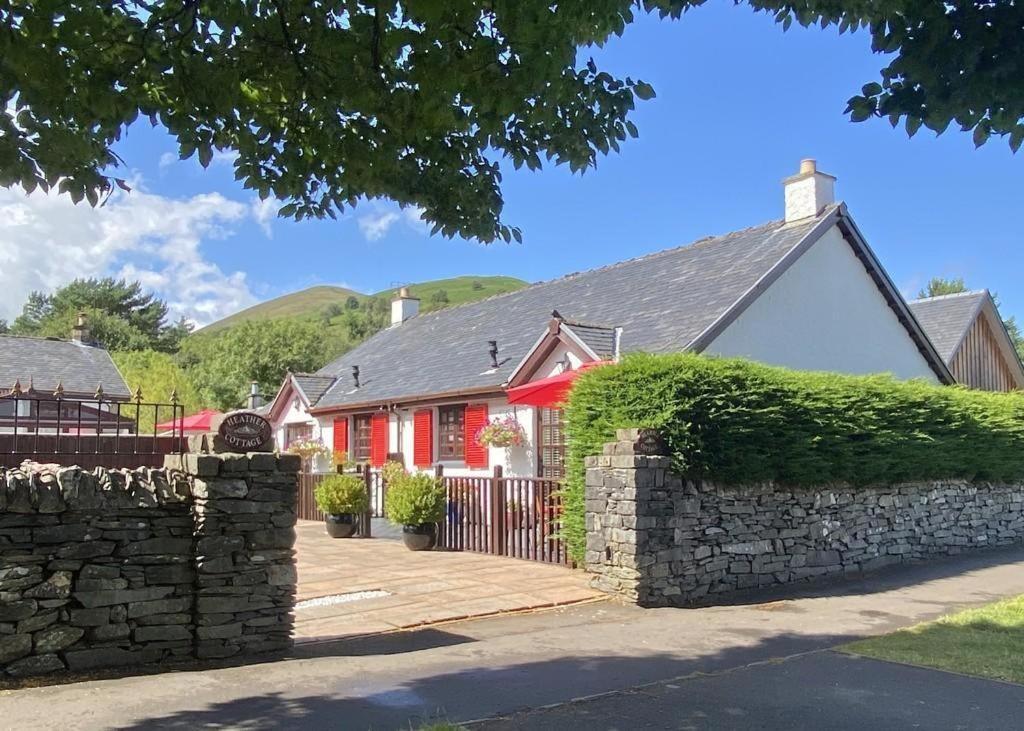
(1016,137)
(644,91)
(981,134)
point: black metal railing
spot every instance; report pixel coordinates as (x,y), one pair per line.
(68,429)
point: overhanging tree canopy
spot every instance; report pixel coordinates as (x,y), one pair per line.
(329,101)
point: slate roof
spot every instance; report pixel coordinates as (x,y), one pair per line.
(312,385)
(45,362)
(946,318)
(662,302)
(599,338)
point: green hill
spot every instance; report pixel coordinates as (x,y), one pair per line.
(297,304)
(312,302)
(459,290)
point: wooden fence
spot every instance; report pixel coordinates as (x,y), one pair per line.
(88,451)
(501,516)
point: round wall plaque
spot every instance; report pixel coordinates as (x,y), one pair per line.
(245,431)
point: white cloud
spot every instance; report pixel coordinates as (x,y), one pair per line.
(46,241)
(224,157)
(378,221)
(167,159)
(376,224)
(265,211)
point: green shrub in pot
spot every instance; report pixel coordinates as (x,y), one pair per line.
(417,503)
(341,498)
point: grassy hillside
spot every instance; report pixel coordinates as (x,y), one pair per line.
(297,304)
(312,302)
(460,290)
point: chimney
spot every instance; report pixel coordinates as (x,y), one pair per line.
(808,192)
(492,350)
(80,332)
(255,399)
(404,306)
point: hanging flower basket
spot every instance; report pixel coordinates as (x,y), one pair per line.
(308,449)
(505,432)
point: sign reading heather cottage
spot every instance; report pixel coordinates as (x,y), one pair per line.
(245,431)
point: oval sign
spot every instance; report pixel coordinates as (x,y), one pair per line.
(245,431)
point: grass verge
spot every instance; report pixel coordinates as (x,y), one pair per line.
(987,642)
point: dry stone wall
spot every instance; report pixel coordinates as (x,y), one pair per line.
(108,568)
(658,539)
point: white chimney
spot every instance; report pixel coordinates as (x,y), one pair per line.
(808,192)
(404,306)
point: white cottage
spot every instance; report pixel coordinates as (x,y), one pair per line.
(804,292)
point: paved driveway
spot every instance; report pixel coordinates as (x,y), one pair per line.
(364,586)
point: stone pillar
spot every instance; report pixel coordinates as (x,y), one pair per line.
(244,515)
(627,488)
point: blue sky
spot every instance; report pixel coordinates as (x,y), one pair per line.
(739,104)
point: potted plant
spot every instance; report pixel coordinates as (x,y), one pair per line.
(505,432)
(341,461)
(341,498)
(416,502)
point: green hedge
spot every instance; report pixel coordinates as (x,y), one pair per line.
(739,422)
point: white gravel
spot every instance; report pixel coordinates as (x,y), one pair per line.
(355,596)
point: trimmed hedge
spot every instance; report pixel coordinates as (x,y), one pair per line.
(738,422)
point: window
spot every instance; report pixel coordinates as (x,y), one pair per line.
(451,432)
(552,444)
(361,438)
(297,432)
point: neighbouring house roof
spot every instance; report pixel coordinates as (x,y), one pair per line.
(948,318)
(669,301)
(44,363)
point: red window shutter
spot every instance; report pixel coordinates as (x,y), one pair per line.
(423,438)
(476,418)
(379,439)
(341,435)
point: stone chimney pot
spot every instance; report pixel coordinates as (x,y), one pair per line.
(80,332)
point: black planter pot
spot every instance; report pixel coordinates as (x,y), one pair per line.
(419,537)
(342,525)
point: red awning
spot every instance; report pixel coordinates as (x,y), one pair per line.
(199,422)
(549,392)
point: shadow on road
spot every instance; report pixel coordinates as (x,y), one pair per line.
(471,693)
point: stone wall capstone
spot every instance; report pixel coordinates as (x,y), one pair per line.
(110,568)
(657,539)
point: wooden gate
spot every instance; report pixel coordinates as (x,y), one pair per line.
(505,516)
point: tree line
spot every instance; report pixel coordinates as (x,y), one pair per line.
(205,370)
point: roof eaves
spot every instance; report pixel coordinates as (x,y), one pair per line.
(895,299)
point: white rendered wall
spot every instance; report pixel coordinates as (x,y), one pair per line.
(825,313)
